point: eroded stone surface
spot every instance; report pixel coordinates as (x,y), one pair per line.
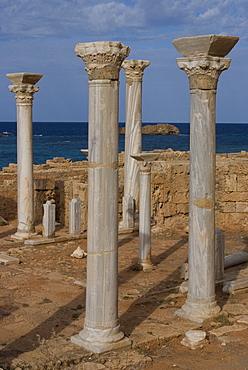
(214,45)
(194,339)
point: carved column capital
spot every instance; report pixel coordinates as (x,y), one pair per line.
(145,160)
(134,69)
(24,92)
(203,71)
(103,59)
(24,86)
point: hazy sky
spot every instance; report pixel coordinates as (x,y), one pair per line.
(39,36)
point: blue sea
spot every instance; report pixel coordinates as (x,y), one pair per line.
(66,139)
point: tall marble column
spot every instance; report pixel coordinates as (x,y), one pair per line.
(24,88)
(145,161)
(134,70)
(101,327)
(204,61)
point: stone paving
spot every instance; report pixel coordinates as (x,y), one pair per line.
(42,307)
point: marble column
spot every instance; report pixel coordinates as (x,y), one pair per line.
(24,88)
(145,161)
(134,70)
(204,61)
(101,330)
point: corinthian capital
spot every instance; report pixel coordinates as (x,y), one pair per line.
(204,60)
(24,85)
(103,59)
(24,93)
(135,68)
(203,71)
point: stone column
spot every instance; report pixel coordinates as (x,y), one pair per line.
(204,61)
(24,88)
(145,161)
(134,70)
(101,327)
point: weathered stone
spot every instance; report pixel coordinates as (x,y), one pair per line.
(8,260)
(231,286)
(194,339)
(101,330)
(24,88)
(75,217)
(203,66)
(49,219)
(215,45)
(134,70)
(145,162)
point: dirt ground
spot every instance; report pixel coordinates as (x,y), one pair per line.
(41,307)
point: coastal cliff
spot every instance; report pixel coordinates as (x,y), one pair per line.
(159,129)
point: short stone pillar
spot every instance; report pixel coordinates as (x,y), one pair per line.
(134,70)
(204,61)
(145,161)
(101,327)
(75,217)
(219,254)
(24,88)
(49,219)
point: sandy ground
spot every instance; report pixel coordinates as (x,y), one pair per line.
(41,307)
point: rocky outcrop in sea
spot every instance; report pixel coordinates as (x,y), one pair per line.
(159,129)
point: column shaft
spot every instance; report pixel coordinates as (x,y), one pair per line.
(145,219)
(25,206)
(134,70)
(102,234)
(133,137)
(101,330)
(202,197)
(24,88)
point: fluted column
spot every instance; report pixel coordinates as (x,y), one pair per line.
(134,70)
(145,161)
(101,327)
(24,88)
(203,64)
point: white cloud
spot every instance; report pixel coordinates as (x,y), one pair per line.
(64,18)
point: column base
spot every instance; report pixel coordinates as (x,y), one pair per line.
(198,312)
(99,341)
(23,235)
(146,265)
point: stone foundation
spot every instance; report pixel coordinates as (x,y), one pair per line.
(61,179)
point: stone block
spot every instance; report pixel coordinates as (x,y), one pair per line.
(227,329)
(157,178)
(170,209)
(180,197)
(235,221)
(242,207)
(177,222)
(242,183)
(8,260)
(226,207)
(231,182)
(219,220)
(233,196)
(182,208)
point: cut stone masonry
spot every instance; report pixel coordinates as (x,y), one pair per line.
(61,179)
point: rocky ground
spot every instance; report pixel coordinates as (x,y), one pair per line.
(41,307)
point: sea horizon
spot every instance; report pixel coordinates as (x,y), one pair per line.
(66,139)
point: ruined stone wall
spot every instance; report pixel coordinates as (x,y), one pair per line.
(61,180)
